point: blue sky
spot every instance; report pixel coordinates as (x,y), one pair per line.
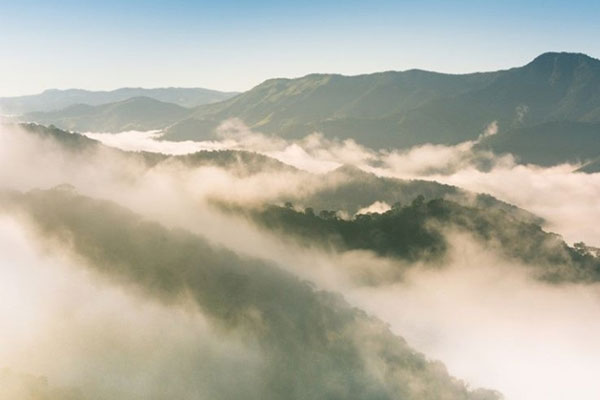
(234,45)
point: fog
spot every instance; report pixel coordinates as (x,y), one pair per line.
(489,321)
(61,321)
(495,326)
(557,194)
(562,197)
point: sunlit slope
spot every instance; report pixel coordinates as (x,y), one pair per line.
(364,107)
(398,109)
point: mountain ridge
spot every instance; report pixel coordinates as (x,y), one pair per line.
(135,113)
(401,109)
(407,108)
(56,99)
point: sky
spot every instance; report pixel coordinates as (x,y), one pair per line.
(235,45)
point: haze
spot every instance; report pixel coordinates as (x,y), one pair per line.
(251,200)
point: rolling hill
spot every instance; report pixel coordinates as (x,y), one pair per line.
(136,113)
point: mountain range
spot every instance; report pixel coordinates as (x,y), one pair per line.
(136,113)
(547,112)
(55,99)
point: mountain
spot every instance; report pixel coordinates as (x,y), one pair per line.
(136,113)
(72,142)
(418,230)
(548,143)
(553,87)
(361,107)
(348,189)
(237,162)
(547,111)
(401,109)
(55,99)
(313,345)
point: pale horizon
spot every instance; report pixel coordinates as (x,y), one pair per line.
(234,46)
(457,72)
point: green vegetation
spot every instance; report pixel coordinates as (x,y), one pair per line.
(417,232)
(350,189)
(69,141)
(401,109)
(239,162)
(364,107)
(547,111)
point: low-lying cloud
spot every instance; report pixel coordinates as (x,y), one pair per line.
(495,326)
(559,195)
(481,314)
(63,322)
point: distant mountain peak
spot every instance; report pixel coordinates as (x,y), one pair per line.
(562,54)
(562,59)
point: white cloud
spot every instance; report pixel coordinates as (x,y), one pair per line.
(481,315)
(562,197)
(378,207)
(494,326)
